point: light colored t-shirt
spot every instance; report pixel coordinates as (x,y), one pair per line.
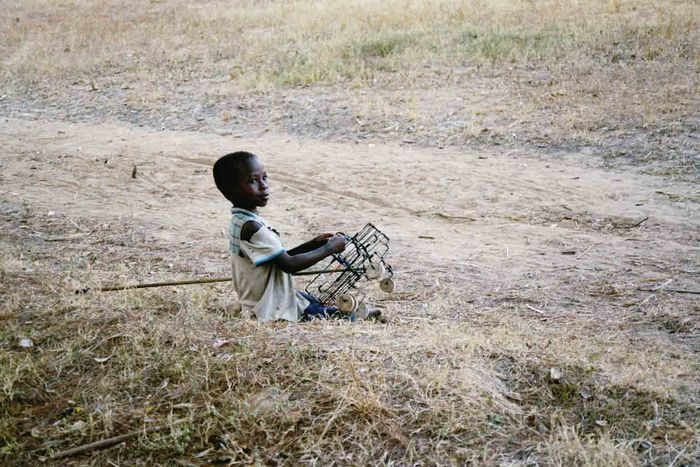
(262,287)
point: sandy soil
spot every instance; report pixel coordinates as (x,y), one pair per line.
(480,109)
(519,234)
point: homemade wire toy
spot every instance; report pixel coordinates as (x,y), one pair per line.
(363,257)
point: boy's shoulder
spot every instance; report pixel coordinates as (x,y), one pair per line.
(245,224)
(249,228)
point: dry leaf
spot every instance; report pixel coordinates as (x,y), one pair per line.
(221,342)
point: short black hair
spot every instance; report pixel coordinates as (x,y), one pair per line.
(227,172)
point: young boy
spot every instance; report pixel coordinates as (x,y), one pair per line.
(261,265)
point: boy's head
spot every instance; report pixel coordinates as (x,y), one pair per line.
(241,178)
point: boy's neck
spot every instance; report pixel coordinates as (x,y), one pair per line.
(253,209)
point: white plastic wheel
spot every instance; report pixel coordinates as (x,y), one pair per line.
(374,270)
(347,303)
(362,311)
(387,285)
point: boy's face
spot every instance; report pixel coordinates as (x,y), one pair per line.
(252,190)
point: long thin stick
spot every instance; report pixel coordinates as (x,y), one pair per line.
(586,250)
(694,292)
(534,309)
(103,443)
(208,280)
(324,271)
(637,224)
(154,284)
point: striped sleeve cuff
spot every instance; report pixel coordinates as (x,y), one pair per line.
(270,257)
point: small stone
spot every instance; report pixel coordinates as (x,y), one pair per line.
(78,426)
(26,343)
(555,374)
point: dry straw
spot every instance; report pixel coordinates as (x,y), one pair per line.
(157,375)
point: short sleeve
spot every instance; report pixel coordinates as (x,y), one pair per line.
(263,246)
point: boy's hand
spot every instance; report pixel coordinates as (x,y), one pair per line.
(336,243)
(322,238)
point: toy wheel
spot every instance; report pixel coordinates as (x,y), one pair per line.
(374,270)
(347,303)
(362,311)
(387,285)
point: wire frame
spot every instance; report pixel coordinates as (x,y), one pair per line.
(369,245)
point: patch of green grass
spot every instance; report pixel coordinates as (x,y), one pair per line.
(331,60)
(380,47)
(510,45)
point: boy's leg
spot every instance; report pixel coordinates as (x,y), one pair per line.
(316,310)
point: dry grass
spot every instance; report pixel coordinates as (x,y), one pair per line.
(305,42)
(444,391)
(620,77)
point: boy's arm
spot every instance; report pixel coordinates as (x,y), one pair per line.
(313,244)
(299,261)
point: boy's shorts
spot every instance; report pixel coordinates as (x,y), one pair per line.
(316,310)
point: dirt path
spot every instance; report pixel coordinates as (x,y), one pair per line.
(552,235)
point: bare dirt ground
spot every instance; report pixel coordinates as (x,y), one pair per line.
(492,222)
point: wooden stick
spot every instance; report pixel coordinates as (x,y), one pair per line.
(637,224)
(694,292)
(325,271)
(586,250)
(534,309)
(444,215)
(208,280)
(154,284)
(103,443)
